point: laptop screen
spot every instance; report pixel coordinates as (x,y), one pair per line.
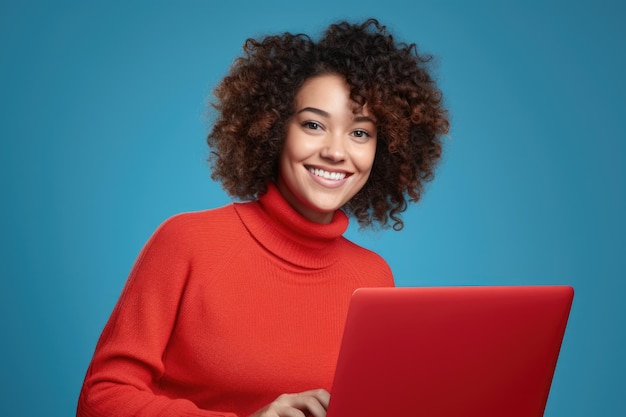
(450,351)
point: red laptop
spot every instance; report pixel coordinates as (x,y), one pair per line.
(450,351)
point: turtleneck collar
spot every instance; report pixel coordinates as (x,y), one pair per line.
(278,227)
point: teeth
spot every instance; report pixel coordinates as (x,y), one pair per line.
(337,176)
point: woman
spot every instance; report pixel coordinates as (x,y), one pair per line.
(238,311)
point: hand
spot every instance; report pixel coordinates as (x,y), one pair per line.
(309,403)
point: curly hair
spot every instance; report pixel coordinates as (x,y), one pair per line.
(256,100)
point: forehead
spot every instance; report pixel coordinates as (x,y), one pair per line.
(328,92)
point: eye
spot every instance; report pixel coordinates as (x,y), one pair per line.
(311,125)
(361,134)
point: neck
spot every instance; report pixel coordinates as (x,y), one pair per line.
(302,207)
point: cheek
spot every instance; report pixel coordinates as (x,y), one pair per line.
(298,149)
(364,159)
(290,159)
(288,153)
(290,145)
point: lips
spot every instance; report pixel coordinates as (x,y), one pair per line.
(328,175)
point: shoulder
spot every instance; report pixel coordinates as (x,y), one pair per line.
(198,219)
(198,228)
(369,261)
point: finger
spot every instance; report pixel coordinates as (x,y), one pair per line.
(278,410)
(314,402)
(287,411)
(321,394)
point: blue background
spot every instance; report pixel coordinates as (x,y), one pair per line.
(103,126)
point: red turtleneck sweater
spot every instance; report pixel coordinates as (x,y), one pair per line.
(226,309)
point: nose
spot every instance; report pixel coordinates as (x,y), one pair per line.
(334,149)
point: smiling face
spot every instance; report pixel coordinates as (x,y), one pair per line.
(329,149)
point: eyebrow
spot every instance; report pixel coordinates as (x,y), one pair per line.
(364,119)
(316,111)
(327,115)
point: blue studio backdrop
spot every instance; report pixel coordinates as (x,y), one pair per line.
(103,124)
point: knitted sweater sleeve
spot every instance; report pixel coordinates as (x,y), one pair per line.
(123,377)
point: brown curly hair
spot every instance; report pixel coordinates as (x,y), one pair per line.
(256,100)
